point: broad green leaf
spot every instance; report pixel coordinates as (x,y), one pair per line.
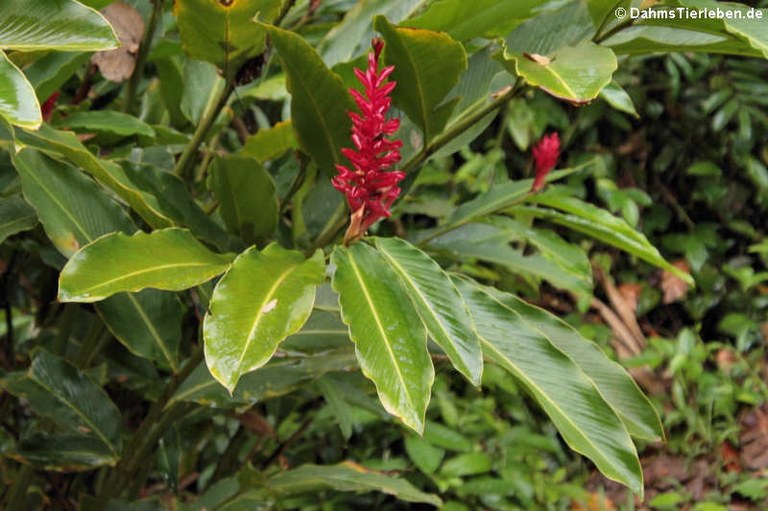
(64,25)
(18,103)
(603,12)
(148,323)
(270,143)
(353,35)
(612,381)
(106,121)
(423,454)
(502,196)
(48,73)
(490,243)
(583,417)
(202,87)
(246,193)
(618,98)
(319,101)
(464,20)
(427,66)
(63,452)
(15,216)
(470,463)
(573,73)
(169,259)
(341,410)
(544,34)
(438,304)
(110,174)
(59,391)
(224,32)
(390,341)
(323,331)
(263,298)
(752,30)
(346,476)
(278,377)
(602,225)
(71,207)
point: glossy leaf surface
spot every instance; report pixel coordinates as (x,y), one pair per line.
(15,216)
(170,259)
(390,341)
(264,297)
(18,103)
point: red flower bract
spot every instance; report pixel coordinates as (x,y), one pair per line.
(545,155)
(370,189)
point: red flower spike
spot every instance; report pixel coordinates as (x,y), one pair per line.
(545,155)
(369,187)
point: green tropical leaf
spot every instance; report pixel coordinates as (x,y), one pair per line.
(599,224)
(16,216)
(264,297)
(346,476)
(319,101)
(569,25)
(59,391)
(202,87)
(576,74)
(585,420)
(224,33)
(464,20)
(107,121)
(427,66)
(246,193)
(18,103)
(72,208)
(148,323)
(63,25)
(63,452)
(389,338)
(169,259)
(612,381)
(268,144)
(618,98)
(438,304)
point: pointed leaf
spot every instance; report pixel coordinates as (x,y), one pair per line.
(319,101)
(63,25)
(264,297)
(246,193)
(464,20)
(346,476)
(15,216)
(586,422)
(573,73)
(427,66)
(612,381)
(59,391)
(170,259)
(148,323)
(438,304)
(106,121)
(602,225)
(224,33)
(390,341)
(64,452)
(18,102)
(268,144)
(71,207)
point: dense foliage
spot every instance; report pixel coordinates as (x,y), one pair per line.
(180,295)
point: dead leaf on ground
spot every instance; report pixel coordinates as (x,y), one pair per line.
(596,502)
(631,294)
(118,65)
(754,439)
(673,287)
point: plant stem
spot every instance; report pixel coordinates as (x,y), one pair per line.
(90,343)
(18,492)
(188,156)
(141,58)
(157,421)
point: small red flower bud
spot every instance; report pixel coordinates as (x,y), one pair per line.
(545,155)
(49,105)
(369,187)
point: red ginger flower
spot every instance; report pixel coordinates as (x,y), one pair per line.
(545,155)
(370,189)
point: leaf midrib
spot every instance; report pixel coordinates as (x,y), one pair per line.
(153,332)
(380,327)
(127,276)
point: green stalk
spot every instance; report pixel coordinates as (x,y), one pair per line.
(159,418)
(16,497)
(141,58)
(187,157)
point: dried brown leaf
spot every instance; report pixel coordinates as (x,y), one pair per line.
(754,439)
(672,286)
(118,65)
